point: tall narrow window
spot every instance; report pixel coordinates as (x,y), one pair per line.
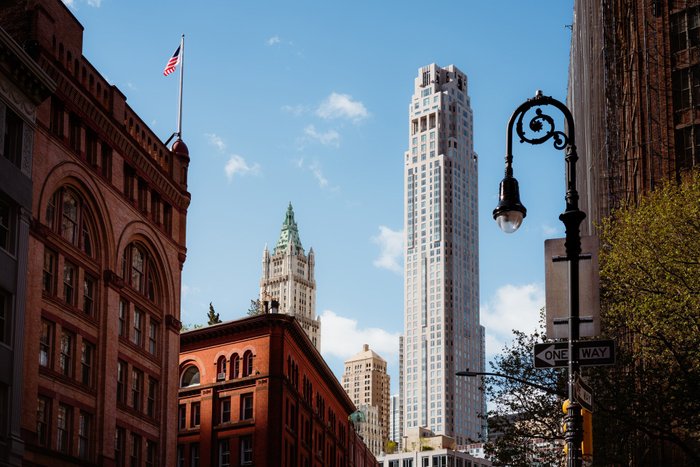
(224,453)
(87,353)
(88,294)
(13,138)
(135,458)
(137,268)
(49,274)
(221,368)
(153,337)
(235,366)
(182,416)
(225,409)
(139,271)
(84,427)
(180,455)
(194,414)
(129,182)
(123,311)
(91,147)
(194,455)
(137,332)
(246,450)
(63,428)
(43,414)
(121,381)
(7,217)
(152,400)
(120,446)
(69,278)
(151,453)
(57,117)
(106,166)
(142,195)
(65,361)
(136,388)
(246,406)
(45,343)
(69,217)
(4,319)
(247,363)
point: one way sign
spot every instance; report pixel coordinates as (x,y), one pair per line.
(590,353)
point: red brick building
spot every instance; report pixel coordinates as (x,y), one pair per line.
(257,392)
(106,247)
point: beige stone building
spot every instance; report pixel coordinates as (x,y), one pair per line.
(288,278)
(367,383)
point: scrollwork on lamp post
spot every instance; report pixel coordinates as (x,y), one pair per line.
(510,212)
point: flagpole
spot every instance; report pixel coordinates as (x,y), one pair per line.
(182,68)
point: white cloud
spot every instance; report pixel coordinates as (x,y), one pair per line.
(295,110)
(315,169)
(238,165)
(73,3)
(342,106)
(549,231)
(95,3)
(390,249)
(512,307)
(216,141)
(341,337)
(328,138)
(273,40)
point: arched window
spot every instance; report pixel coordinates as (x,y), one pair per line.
(139,271)
(247,363)
(68,215)
(190,377)
(235,365)
(221,369)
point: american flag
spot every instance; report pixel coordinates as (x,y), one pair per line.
(172,63)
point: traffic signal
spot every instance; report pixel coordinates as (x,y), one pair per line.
(587,428)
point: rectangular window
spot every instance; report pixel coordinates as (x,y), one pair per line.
(137,334)
(246,406)
(167,218)
(57,116)
(135,458)
(151,453)
(65,360)
(12,149)
(246,450)
(43,415)
(142,195)
(46,343)
(121,381)
(155,207)
(89,294)
(151,401)
(194,414)
(129,182)
(87,353)
(136,388)
(7,228)
(182,416)
(194,455)
(49,274)
(153,337)
(225,409)
(224,453)
(84,427)
(69,277)
(63,428)
(180,455)
(120,446)
(123,310)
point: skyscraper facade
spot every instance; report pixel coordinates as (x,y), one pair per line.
(441,258)
(367,383)
(288,278)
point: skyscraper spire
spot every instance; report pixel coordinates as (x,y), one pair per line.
(289,234)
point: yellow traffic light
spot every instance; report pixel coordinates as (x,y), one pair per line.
(587,443)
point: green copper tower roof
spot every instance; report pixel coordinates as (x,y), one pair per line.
(289,234)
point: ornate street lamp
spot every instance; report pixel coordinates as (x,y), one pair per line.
(510,212)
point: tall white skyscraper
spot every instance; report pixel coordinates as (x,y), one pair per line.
(288,277)
(441,261)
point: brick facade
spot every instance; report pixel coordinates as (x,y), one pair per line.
(256,391)
(107,245)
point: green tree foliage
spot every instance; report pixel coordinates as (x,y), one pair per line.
(255,307)
(213,316)
(650,292)
(523,416)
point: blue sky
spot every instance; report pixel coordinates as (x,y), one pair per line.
(307,102)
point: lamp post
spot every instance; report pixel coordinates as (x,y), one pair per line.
(510,212)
